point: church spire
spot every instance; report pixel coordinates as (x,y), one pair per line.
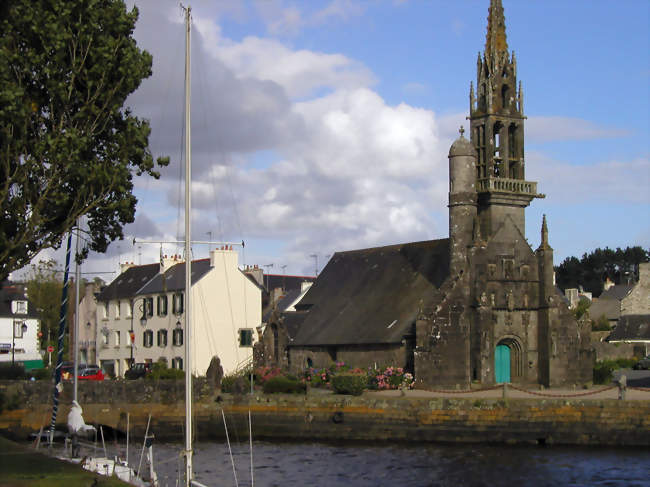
(495,41)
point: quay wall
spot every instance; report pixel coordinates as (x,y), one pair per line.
(317,416)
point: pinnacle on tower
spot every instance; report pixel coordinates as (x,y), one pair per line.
(544,243)
(495,41)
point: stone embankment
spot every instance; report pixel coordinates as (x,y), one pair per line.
(319,415)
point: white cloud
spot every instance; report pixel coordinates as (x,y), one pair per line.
(614,182)
(288,20)
(545,129)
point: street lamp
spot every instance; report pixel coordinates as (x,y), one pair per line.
(23,329)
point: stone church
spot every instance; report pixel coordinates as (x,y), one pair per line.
(479,307)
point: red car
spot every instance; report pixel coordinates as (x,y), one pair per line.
(91,373)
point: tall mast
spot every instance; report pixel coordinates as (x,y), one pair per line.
(188,259)
(76,316)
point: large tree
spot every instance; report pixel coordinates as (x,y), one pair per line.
(68,146)
(44,285)
(590,272)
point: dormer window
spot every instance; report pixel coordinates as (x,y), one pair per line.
(19,307)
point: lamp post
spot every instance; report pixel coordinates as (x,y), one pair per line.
(23,329)
(143,322)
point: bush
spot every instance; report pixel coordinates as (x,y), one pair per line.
(349,383)
(601,324)
(286,385)
(12,371)
(264,374)
(603,369)
(159,370)
(41,374)
(389,378)
(236,384)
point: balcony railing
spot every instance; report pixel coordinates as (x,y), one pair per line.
(505,185)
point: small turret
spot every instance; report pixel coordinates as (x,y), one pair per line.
(462,201)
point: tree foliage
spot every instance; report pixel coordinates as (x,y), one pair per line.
(44,289)
(68,147)
(620,265)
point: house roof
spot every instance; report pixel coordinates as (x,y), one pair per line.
(174,278)
(631,327)
(617,292)
(372,296)
(611,308)
(273,281)
(283,303)
(292,321)
(10,291)
(127,284)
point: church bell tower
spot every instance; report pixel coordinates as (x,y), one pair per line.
(497,131)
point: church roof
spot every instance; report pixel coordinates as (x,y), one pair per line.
(372,296)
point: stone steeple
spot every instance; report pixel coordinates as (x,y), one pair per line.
(495,40)
(497,131)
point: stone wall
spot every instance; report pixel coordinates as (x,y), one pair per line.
(610,351)
(368,417)
(362,357)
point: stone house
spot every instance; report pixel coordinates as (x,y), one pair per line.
(633,326)
(88,324)
(478,307)
(624,299)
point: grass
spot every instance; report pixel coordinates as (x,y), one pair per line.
(23,467)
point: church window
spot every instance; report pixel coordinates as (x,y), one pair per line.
(482,105)
(512,152)
(505,96)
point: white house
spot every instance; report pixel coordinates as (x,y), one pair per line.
(19,328)
(226,308)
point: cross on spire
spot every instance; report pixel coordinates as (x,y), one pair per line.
(461,131)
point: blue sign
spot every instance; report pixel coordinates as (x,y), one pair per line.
(5,346)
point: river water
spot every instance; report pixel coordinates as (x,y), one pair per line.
(373,465)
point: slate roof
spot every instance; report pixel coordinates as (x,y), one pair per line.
(9,292)
(283,303)
(611,308)
(127,284)
(174,277)
(617,292)
(372,296)
(273,281)
(293,321)
(631,327)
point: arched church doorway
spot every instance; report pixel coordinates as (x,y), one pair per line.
(508,361)
(502,363)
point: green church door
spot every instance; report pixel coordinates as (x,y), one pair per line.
(502,363)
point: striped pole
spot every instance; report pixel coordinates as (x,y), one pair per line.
(61,343)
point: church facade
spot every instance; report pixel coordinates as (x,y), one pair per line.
(478,307)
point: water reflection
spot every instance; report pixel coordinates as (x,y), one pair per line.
(363,465)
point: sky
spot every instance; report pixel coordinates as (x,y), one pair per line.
(324,126)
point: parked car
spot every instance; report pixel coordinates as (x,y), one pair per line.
(67,370)
(138,370)
(91,373)
(643,364)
